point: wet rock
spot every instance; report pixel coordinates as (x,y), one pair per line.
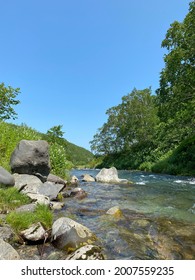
(31,157)
(56,205)
(78,193)
(27,183)
(6,179)
(69,235)
(109,175)
(74,180)
(87,252)
(7,252)
(115,211)
(35,233)
(88,178)
(56,180)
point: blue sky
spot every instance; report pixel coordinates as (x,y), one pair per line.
(74,59)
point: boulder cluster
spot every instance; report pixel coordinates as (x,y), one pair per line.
(30,167)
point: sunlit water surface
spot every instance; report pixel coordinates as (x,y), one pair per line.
(158,220)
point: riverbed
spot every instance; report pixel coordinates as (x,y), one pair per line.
(157,221)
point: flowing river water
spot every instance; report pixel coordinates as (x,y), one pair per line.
(157,221)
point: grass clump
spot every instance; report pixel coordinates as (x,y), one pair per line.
(23,220)
(11,198)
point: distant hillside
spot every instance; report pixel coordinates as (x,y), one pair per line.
(78,155)
(63,154)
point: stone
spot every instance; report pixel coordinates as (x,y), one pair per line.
(109,175)
(6,178)
(78,193)
(115,211)
(39,198)
(6,233)
(69,235)
(7,252)
(56,180)
(35,232)
(88,178)
(56,205)
(26,208)
(50,190)
(31,157)
(27,183)
(74,180)
(87,252)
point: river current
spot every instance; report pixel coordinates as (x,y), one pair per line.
(157,221)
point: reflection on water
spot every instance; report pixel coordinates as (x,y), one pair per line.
(158,219)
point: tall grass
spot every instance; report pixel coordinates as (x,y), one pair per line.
(22,220)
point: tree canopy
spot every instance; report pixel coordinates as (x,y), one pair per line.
(7,100)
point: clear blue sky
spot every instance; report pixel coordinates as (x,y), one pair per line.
(74,59)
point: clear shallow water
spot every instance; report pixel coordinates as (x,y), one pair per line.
(158,219)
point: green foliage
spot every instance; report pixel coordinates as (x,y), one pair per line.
(22,220)
(55,132)
(58,159)
(180,161)
(7,100)
(10,199)
(130,123)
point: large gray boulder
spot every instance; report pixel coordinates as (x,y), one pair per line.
(109,175)
(6,179)
(7,252)
(69,235)
(31,157)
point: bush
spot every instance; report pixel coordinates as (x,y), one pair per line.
(59,164)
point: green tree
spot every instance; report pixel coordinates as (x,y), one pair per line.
(176,94)
(131,122)
(7,100)
(55,131)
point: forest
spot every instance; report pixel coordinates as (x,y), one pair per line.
(156,132)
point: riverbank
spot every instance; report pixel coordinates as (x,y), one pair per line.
(177,161)
(156,221)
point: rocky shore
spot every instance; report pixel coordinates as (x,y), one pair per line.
(66,239)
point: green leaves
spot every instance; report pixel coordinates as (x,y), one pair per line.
(131,122)
(176,95)
(7,100)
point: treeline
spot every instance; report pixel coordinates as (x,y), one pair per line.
(156,132)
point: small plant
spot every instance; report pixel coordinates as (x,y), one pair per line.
(11,198)
(23,220)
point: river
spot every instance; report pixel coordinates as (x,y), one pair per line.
(158,215)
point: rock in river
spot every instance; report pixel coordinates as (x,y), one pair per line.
(69,235)
(109,175)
